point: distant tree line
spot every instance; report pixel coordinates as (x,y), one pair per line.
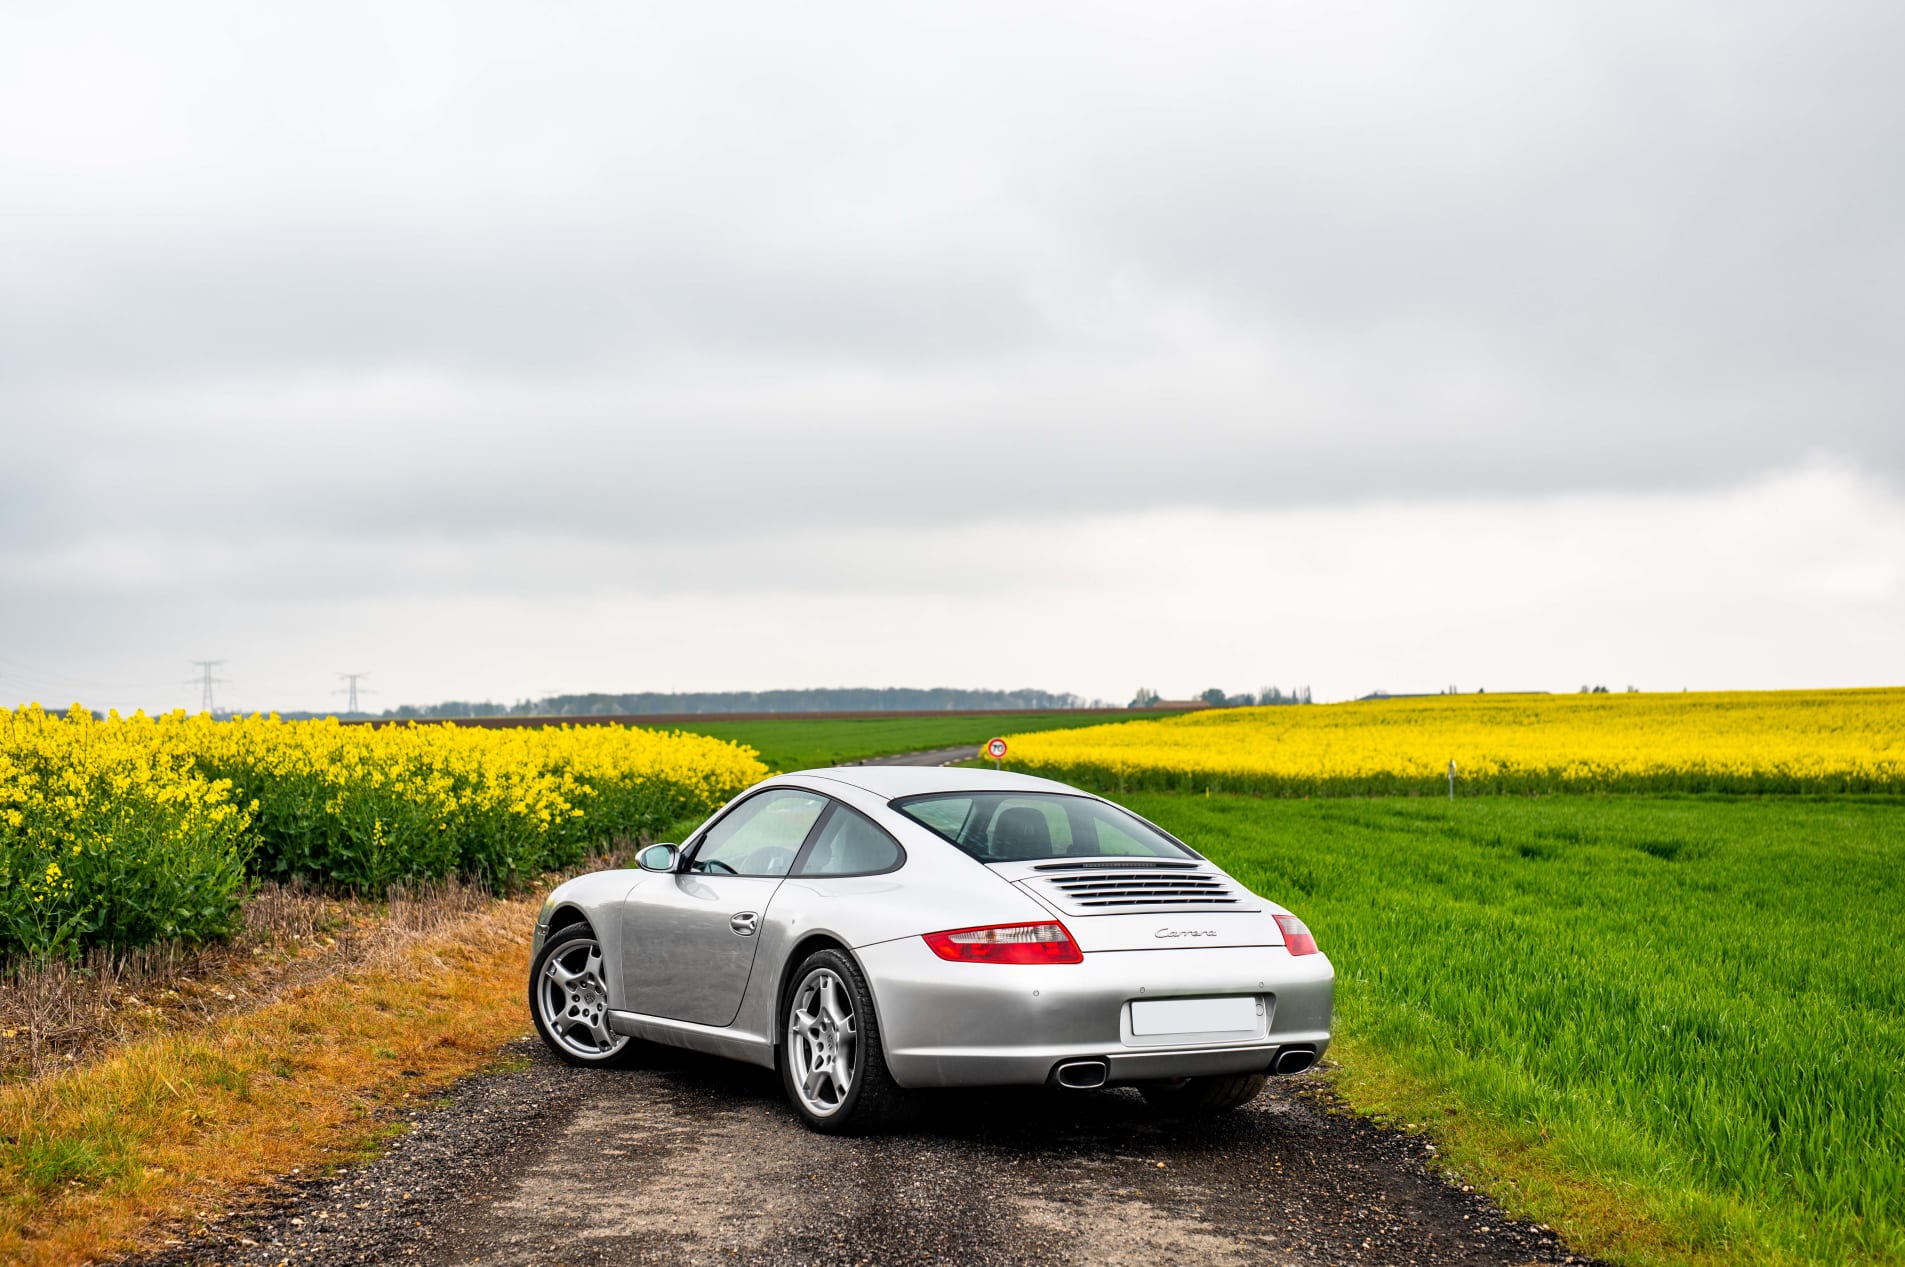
(818,700)
(1217,698)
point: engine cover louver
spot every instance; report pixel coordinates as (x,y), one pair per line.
(1112,886)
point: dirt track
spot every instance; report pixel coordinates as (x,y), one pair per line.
(697,1161)
(932,756)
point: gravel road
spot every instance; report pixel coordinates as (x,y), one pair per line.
(931,756)
(692,1160)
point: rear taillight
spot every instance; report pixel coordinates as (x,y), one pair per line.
(1297,938)
(1007,943)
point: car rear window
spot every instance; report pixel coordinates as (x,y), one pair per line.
(1037,826)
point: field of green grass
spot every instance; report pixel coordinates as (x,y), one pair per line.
(797,743)
(1672,1027)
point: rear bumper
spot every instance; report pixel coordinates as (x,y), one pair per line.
(962,1024)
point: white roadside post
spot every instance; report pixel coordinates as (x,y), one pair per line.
(1451,780)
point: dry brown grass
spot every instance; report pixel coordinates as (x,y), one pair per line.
(151,1092)
(171,1128)
(58,1013)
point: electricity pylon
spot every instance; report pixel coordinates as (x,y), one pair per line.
(205,680)
(350,705)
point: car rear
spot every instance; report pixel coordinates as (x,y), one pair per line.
(1154,964)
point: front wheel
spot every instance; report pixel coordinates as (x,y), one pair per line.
(569,999)
(1215,1093)
(832,1062)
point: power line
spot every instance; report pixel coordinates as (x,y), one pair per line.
(19,671)
(205,680)
(352,690)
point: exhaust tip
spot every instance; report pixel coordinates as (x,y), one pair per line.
(1082,1075)
(1295,1059)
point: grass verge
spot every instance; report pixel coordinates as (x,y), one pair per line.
(1672,1028)
(55,1013)
(172,1128)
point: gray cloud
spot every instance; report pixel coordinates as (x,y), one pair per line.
(348,297)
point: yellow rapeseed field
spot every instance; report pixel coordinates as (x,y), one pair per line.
(1732,741)
(137,829)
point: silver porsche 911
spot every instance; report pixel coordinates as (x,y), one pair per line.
(871,930)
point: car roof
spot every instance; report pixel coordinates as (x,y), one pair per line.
(893,781)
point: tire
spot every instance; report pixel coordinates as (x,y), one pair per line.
(568,999)
(1217,1093)
(830,1036)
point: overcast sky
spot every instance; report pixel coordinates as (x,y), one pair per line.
(499,350)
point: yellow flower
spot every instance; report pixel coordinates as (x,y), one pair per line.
(1816,741)
(133,785)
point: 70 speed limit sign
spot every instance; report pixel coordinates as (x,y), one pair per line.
(995,748)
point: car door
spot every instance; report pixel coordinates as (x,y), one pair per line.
(688,938)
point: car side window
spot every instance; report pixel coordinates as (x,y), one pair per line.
(760,836)
(850,844)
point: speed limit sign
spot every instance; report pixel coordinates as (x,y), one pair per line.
(995,749)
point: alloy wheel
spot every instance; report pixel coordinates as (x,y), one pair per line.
(823,1042)
(573,999)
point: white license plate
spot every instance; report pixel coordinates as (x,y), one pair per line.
(1193,1016)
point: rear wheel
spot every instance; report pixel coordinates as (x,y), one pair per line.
(1216,1093)
(833,1063)
(569,1000)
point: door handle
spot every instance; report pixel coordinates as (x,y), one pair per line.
(744,922)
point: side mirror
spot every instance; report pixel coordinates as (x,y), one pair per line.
(658,858)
